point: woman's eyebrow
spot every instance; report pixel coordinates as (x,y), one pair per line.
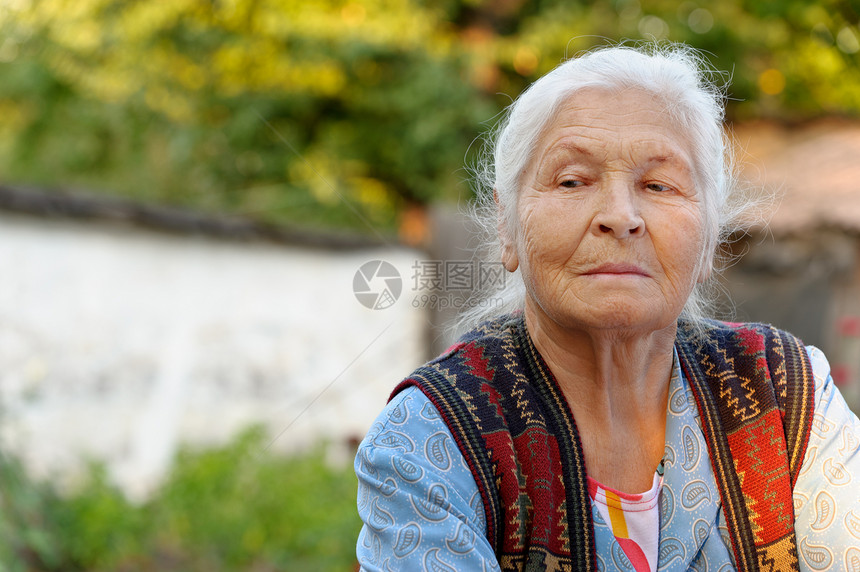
(561,151)
(669,159)
(570,147)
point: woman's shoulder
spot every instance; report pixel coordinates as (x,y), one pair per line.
(410,414)
(416,494)
(830,406)
(826,504)
(493,328)
(741,346)
(820,366)
(489,335)
(710,331)
(410,447)
(470,363)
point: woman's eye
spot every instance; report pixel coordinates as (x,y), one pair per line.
(571,183)
(657,187)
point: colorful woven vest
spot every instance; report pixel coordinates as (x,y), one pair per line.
(754,391)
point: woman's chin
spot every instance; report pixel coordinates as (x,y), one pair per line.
(623,318)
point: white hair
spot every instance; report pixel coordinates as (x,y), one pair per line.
(676,75)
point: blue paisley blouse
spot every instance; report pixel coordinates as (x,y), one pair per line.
(422,511)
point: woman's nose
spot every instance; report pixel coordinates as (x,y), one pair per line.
(618,213)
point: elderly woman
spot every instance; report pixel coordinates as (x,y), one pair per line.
(601,422)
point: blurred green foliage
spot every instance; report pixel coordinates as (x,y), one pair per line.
(345,113)
(231,508)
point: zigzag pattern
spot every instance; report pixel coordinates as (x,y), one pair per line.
(753,389)
(761,456)
(757,421)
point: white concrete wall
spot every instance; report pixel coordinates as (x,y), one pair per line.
(118,344)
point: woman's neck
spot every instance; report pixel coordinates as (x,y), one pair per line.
(617,386)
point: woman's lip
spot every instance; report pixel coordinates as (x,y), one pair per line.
(617,268)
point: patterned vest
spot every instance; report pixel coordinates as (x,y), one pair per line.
(753,387)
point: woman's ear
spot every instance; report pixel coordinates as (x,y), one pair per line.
(509,251)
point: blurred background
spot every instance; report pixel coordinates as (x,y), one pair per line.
(228,228)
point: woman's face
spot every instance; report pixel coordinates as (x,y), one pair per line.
(610,221)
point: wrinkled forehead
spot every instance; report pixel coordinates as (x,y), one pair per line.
(592,121)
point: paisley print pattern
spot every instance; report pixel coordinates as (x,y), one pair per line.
(436,522)
(852,525)
(691,448)
(701,530)
(694,494)
(417,498)
(672,553)
(850,442)
(836,473)
(408,539)
(817,557)
(852,560)
(689,537)
(825,508)
(436,450)
(828,518)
